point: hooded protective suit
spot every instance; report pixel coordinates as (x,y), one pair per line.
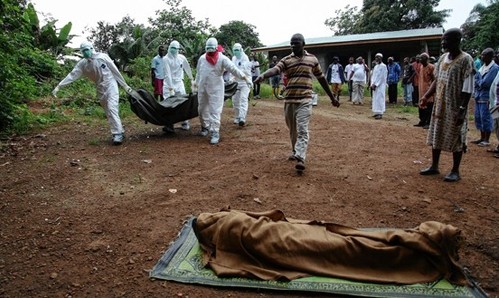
(240,99)
(211,87)
(100,69)
(177,64)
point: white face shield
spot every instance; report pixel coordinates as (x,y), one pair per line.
(211,45)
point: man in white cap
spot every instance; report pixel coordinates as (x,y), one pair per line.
(240,98)
(378,86)
(209,81)
(177,64)
(100,69)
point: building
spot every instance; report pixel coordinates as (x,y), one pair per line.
(396,44)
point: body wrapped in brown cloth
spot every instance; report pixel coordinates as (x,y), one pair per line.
(269,246)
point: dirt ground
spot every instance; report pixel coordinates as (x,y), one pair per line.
(82,218)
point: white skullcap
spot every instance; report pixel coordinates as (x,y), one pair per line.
(379,54)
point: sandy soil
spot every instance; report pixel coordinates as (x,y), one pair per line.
(82,218)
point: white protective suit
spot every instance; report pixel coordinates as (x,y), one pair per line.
(177,64)
(240,99)
(378,79)
(101,70)
(210,85)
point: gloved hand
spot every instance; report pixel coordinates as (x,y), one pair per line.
(54,92)
(128,89)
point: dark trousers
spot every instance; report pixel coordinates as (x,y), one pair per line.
(392,93)
(256,87)
(425,114)
(415,96)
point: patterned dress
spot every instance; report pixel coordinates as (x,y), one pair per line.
(450,75)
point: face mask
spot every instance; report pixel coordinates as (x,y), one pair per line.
(87,53)
(173,51)
(237,53)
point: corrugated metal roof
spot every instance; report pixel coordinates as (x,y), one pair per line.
(389,35)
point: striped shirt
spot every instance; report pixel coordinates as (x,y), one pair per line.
(300,72)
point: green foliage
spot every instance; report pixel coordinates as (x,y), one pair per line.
(177,23)
(387,15)
(480,29)
(238,32)
(345,20)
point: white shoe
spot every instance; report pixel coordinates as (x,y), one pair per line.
(215,138)
(118,139)
(236,121)
(185,125)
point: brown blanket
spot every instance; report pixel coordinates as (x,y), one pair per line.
(269,246)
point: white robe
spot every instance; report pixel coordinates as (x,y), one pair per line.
(378,79)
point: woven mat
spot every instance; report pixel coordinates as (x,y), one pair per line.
(182,263)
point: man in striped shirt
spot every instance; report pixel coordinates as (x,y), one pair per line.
(300,67)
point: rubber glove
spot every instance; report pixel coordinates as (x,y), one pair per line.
(54,92)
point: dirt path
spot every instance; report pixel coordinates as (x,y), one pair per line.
(82,218)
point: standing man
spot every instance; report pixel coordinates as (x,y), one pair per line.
(407,83)
(335,77)
(300,67)
(426,78)
(210,84)
(359,80)
(416,65)
(393,80)
(348,72)
(483,80)
(175,65)
(275,80)
(99,68)
(452,87)
(378,86)
(158,73)
(240,98)
(255,72)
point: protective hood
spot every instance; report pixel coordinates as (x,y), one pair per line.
(237,49)
(211,45)
(174,48)
(87,49)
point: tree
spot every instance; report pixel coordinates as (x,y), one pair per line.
(105,34)
(177,23)
(345,21)
(480,28)
(387,15)
(238,32)
(23,66)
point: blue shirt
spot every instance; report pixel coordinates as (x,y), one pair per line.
(393,73)
(158,64)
